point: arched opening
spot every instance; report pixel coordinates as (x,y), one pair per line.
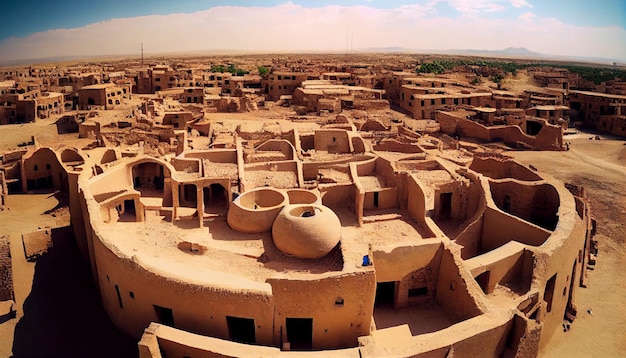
(149,179)
(188,196)
(215,197)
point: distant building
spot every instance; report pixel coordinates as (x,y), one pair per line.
(102,96)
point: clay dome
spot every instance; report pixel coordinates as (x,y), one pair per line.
(307,231)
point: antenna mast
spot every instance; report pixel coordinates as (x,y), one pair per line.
(142,54)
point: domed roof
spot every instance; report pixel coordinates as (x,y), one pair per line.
(308,231)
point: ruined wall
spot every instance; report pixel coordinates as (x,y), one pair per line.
(496,168)
(550,136)
(6,270)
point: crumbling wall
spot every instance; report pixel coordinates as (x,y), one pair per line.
(550,137)
(6,271)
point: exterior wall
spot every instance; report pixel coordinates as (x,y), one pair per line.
(92,98)
(282,83)
(177,119)
(200,308)
(104,96)
(603,112)
(334,325)
(41,169)
(49,104)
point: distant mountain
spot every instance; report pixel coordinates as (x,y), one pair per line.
(519,52)
(509,52)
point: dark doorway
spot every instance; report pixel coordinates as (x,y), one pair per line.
(483,281)
(189,195)
(506,205)
(385,294)
(300,333)
(241,329)
(215,195)
(571,286)
(445,212)
(533,128)
(164,315)
(548,293)
(376,199)
(129,207)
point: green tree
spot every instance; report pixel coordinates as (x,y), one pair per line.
(263,71)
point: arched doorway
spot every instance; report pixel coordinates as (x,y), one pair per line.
(215,198)
(149,178)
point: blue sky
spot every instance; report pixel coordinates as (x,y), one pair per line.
(22,18)
(43,28)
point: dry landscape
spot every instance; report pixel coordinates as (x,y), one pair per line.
(363,138)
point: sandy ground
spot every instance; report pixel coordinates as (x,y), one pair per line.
(599,166)
(60,315)
(58,310)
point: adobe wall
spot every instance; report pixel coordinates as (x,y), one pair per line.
(338,195)
(4,191)
(416,199)
(333,141)
(537,203)
(341,306)
(176,343)
(457,291)
(550,136)
(97,95)
(500,228)
(498,169)
(509,264)
(414,267)
(42,169)
(464,200)
(6,270)
(561,258)
(197,307)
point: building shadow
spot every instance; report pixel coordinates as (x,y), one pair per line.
(63,315)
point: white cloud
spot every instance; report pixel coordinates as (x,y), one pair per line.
(291,27)
(469,7)
(527,16)
(520,3)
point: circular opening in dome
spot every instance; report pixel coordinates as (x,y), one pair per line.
(303,211)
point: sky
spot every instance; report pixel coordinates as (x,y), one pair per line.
(31,29)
